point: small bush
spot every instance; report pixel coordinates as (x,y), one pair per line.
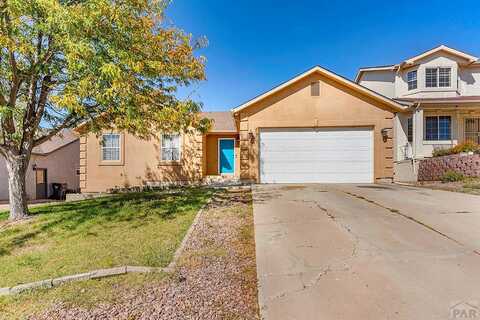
(452,176)
(462,147)
(441,152)
(466,147)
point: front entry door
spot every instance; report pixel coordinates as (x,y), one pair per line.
(472,130)
(41,183)
(226,153)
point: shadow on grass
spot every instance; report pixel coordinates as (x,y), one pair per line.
(86,217)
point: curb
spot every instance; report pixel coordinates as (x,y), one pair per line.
(172,265)
(110,272)
(96,274)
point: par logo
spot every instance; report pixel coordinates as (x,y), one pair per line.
(465,310)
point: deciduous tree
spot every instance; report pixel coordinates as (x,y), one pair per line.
(104,63)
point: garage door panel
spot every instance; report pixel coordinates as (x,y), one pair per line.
(315,178)
(325,168)
(316,155)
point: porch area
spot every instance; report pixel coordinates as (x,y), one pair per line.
(221,154)
(431,127)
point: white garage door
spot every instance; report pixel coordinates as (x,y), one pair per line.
(334,155)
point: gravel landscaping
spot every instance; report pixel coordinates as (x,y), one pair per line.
(215,277)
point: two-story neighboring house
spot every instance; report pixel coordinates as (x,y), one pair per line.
(441,87)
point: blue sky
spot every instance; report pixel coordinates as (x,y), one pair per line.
(255,45)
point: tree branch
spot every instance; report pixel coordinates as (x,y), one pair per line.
(69,121)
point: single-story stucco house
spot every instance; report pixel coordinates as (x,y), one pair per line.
(54,161)
(316,127)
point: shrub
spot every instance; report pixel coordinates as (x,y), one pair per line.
(466,147)
(462,147)
(452,176)
(441,152)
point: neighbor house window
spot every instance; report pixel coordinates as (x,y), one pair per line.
(111,147)
(431,77)
(410,129)
(412,80)
(444,75)
(171,147)
(438,128)
(438,77)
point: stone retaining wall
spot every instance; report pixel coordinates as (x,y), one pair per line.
(433,169)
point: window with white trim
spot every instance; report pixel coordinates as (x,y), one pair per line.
(170,147)
(111,147)
(444,75)
(438,77)
(412,79)
(438,128)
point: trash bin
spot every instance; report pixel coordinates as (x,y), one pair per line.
(59,190)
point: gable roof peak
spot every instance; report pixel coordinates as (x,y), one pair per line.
(328,74)
(469,58)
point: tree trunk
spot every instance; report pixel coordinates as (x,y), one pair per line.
(17,166)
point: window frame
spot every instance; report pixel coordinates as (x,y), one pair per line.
(440,69)
(162,148)
(103,147)
(435,81)
(439,135)
(410,129)
(413,81)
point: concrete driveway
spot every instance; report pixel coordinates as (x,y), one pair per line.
(366,252)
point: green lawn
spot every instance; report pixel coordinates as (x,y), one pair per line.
(127,229)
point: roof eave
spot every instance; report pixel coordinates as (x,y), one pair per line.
(361,71)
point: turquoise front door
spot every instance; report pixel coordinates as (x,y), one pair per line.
(226,150)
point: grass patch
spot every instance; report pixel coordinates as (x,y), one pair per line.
(472,183)
(127,229)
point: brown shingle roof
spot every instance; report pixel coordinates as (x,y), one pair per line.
(222,121)
(65,137)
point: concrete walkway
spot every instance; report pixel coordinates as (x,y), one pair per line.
(365,252)
(4,206)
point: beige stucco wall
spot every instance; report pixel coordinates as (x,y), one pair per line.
(337,106)
(434,61)
(381,81)
(465,79)
(140,164)
(61,167)
(469,81)
(212,153)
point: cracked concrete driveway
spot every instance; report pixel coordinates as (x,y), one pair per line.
(365,251)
